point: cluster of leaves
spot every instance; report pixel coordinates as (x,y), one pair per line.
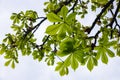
(67,39)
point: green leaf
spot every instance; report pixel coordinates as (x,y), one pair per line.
(13,64)
(68,28)
(58,66)
(67,62)
(7,63)
(95,61)
(53,29)
(112,43)
(64,12)
(98,53)
(62,32)
(74,62)
(70,17)
(2,50)
(62,53)
(64,71)
(110,53)
(53,17)
(67,45)
(93,7)
(104,58)
(90,64)
(79,54)
(118,52)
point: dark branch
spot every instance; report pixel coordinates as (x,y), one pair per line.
(115,19)
(74,6)
(114,16)
(100,14)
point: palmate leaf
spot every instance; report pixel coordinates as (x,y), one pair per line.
(72,61)
(63,70)
(102,54)
(53,17)
(91,61)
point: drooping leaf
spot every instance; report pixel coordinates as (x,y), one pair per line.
(90,64)
(79,55)
(2,50)
(104,58)
(98,52)
(74,62)
(7,63)
(13,64)
(95,61)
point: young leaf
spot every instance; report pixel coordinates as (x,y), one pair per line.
(118,52)
(53,17)
(2,50)
(13,64)
(74,62)
(63,70)
(70,17)
(104,58)
(7,63)
(64,12)
(58,66)
(95,61)
(110,53)
(90,64)
(53,29)
(98,54)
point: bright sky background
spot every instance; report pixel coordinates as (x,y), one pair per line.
(29,69)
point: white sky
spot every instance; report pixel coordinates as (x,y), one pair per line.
(29,69)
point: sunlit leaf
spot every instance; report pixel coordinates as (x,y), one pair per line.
(74,62)
(53,17)
(104,58)
(90,64)
(64,11)
(53,29)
